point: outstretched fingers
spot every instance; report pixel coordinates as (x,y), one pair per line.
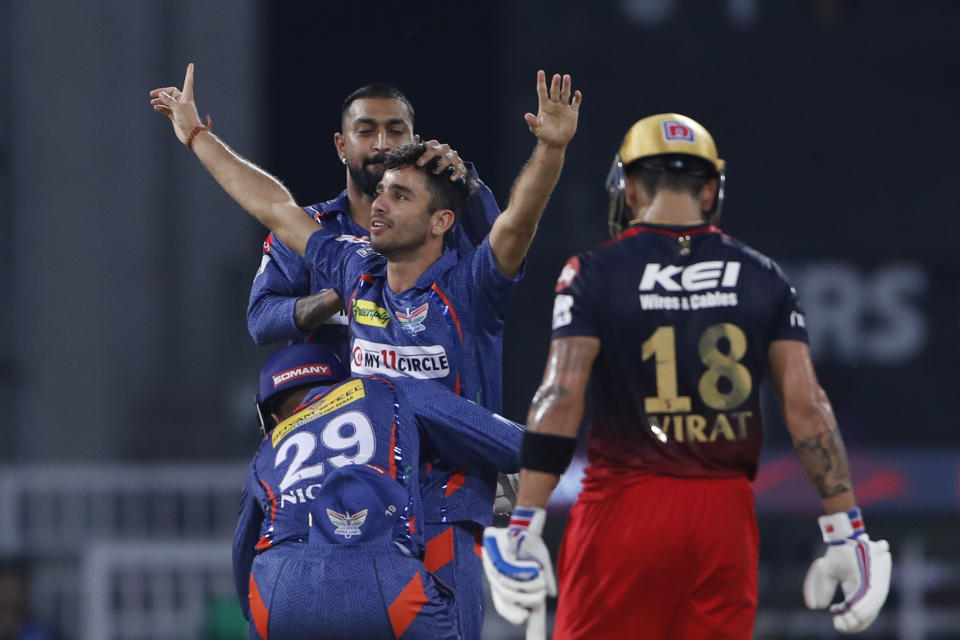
(555,83)
(188,83)
(575,103)
(542,86)
(565,89)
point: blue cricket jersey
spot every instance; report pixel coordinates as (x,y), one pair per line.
(379,422)
(283,275)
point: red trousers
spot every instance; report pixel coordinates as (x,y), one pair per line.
(647,556)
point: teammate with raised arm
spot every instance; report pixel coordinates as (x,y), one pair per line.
(287,301)
(415,309)
(674,324)
(329,542)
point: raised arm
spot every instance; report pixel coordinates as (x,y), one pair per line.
(260,194)
(554,126)
(811,423)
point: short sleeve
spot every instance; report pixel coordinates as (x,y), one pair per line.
(339,258)
(488,284)
(574,312)
(789,323)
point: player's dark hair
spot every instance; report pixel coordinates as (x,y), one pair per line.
(444,192)
(671,172)
(275,404)
(378,90)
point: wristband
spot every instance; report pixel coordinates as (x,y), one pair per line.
(836,527)
(546,452)
(196,130)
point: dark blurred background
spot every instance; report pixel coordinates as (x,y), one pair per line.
(125,365)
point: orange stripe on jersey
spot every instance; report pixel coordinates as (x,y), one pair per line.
(261,615)
(273,501)
(439,550)
(478,540)
(453,312)
(408,604)
(456,481)
(412,524)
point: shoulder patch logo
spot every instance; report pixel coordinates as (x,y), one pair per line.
(673,130)
(412,321)
(568,274)
(367,312)
(347,525)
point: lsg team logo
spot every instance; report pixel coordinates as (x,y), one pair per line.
(347,525)
(412,321)
(673,130)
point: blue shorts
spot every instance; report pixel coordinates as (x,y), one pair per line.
(364,591)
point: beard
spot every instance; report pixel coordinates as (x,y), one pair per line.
(369,174)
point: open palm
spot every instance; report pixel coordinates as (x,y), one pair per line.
(556,120)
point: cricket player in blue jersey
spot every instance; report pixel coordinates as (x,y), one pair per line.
(414,309)
(287,301)
(329,542)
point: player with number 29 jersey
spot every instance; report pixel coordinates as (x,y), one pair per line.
(365,545)
(685,316)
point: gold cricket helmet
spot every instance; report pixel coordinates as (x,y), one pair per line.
(664,134)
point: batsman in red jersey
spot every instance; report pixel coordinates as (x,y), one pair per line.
(674,324)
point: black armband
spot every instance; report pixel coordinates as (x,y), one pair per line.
(546,452)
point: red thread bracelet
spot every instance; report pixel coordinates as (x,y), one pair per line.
(196,130)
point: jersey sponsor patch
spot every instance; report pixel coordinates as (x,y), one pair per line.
(412,320)
(318,369)
(693,302)
(428,361)
(340,397)
(568,274)
(367,312)
(562,304)
(694,277)
(673,131)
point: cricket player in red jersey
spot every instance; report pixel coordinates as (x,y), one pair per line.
(675,324)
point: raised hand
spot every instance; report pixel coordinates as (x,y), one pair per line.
(179,106)
(556,120)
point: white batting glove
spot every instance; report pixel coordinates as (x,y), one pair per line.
(860,565)
(517,565)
